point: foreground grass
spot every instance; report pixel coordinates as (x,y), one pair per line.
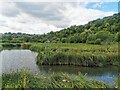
(76,54)
(24,79)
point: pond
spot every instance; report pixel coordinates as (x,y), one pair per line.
(15,60)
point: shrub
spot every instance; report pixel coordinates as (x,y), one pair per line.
(98,41)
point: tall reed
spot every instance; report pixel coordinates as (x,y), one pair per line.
(76,54)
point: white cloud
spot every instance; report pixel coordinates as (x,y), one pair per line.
(9,9)
(24,23)
(98,5)
(59,0)
(80,15)
(42,18)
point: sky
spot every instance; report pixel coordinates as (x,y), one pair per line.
(38,17)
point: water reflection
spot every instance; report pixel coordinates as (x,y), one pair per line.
(15,60)
(106,74)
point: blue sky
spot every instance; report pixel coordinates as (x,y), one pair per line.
(42,17)
(105,6)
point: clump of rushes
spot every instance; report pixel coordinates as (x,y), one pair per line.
(16,79)
(26,80)
(76,54)
(25,45)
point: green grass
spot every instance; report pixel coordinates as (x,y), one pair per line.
(64,54)
(76,54)
(15,45)
(24,79)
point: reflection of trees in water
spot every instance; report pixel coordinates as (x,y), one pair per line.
(106,74)
(95,71)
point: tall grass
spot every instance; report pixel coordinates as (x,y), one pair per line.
(11,45)
(26,80)
(76,54)
(25,45)
(14,45)
(1,47)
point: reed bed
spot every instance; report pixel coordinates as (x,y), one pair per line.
(76,54)
(25,80)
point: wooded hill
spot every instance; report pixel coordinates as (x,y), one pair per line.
(100,31)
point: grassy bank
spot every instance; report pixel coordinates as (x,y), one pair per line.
(15,45)
(24,79)
(76,54)
(0,47)
(72,54)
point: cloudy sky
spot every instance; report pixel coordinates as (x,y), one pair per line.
(37,17)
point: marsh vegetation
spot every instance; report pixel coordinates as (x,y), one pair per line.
(24,79)
(91,45)
(76,54)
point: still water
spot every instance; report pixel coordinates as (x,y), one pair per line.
(15,60)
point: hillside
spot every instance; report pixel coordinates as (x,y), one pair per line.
(100,31)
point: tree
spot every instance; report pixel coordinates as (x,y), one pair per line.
(97,41)
(84,35)
(64,40)
(117,37)
(91,39)
(105,36)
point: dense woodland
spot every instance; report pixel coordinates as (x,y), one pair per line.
(100,31)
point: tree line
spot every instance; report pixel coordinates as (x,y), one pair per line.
(100,31)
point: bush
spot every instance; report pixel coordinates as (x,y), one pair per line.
(105,36)
(90,39)
(25,45)
(97,41)
(117,37)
